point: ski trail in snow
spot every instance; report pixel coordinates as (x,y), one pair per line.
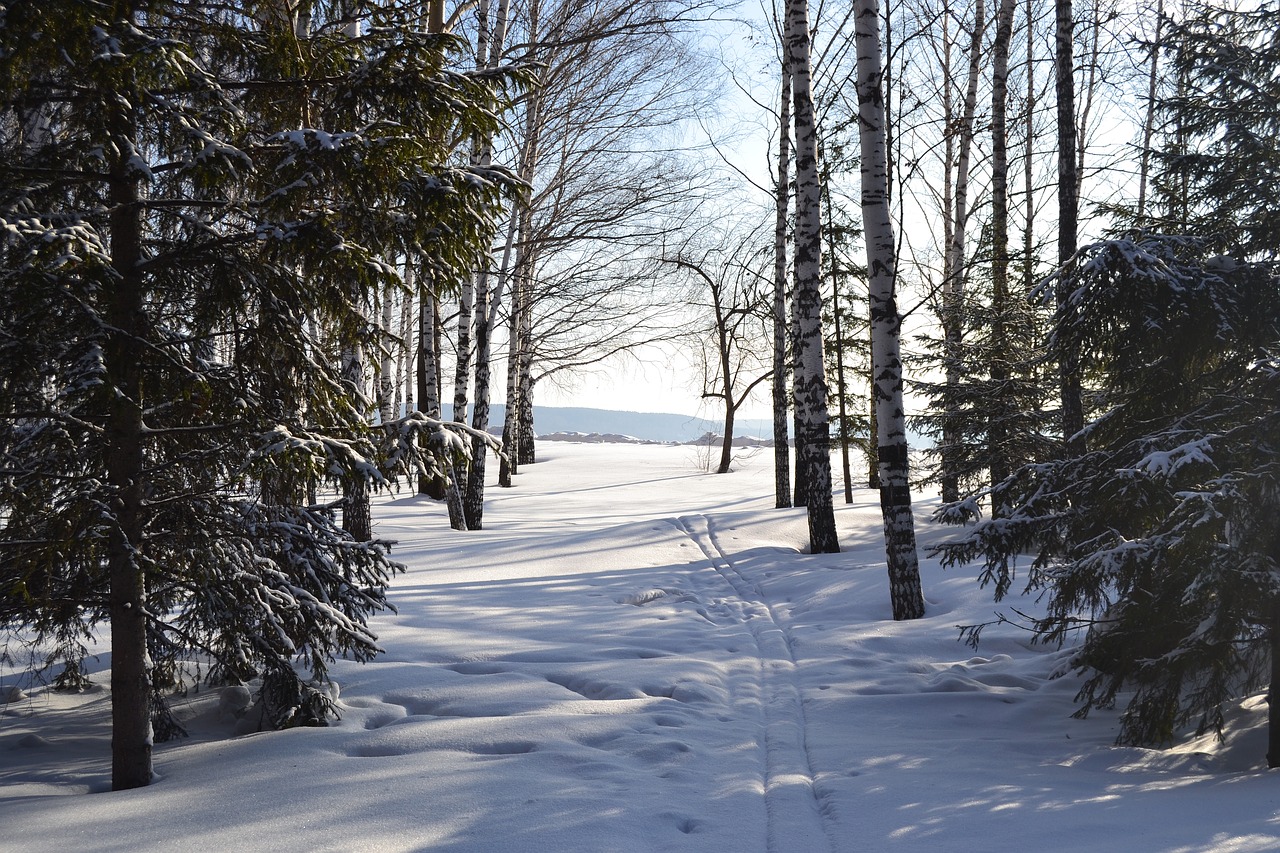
(794,809)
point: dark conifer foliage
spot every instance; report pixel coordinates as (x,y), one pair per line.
(1160,541)
(1217,166)
(1155,533)
(198,202)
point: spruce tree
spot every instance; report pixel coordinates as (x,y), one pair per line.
(1159,542)
(198,207)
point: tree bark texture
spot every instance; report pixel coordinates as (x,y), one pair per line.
(1028,182)
(905,593)
(473,499)
(1068,182)
(517,341)
(953,285)
(813,455)
(123,355)
(1000,361)
(782,192)
(428,375)
(356,512)
(387,368)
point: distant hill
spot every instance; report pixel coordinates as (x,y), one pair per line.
(644,425)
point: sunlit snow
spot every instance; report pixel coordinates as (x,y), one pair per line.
(635,655)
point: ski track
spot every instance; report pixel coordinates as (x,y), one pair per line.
(797,814)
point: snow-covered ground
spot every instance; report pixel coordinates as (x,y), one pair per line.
(636,656)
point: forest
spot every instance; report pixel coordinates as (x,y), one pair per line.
(249,246)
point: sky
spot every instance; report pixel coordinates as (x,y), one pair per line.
(636,656)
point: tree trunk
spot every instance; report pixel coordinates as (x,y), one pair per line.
(954,266)
(1273,701)
(386,373)
(886,324)
(462,369)
(428,379)
(799,486)
(813,456)
(356,512)
(509,465)
(406,335)
(1028,235)
(526,441)
(841,390)
(123,356)
(726,441)
(1068,182)
(1149,122)
(1000,360)
(782,189)
(516,341)
(473,499)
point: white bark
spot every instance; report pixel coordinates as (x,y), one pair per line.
(782,191)
(485,303)
(954,261)
(813,456)
(1068,185)
(886,324)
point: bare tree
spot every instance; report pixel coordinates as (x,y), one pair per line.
(608,188)
(886,324)
(813,450)
(728,286)
(954,264)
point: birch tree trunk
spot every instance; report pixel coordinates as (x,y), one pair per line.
(473,502)
(356,512)
(1149,122)
(905,593)
(405,395)
(1068,183)
(954,264)
(841,389)
(1001,360)
(509,465)
(525,445)
(813,456)
(387,365)
(782,189)
(800,485)
(467,296)
(1029,125)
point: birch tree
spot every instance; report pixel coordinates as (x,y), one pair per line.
(954,267)
(813,439)
(1072,405)
(473,501)
(781,289)
(1000,420)
(906,596)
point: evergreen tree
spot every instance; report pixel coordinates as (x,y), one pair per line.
(1218,166)
(1160,540)
(198,206)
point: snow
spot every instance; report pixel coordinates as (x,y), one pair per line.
(636,656)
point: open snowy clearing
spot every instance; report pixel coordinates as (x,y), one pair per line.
(635,656)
